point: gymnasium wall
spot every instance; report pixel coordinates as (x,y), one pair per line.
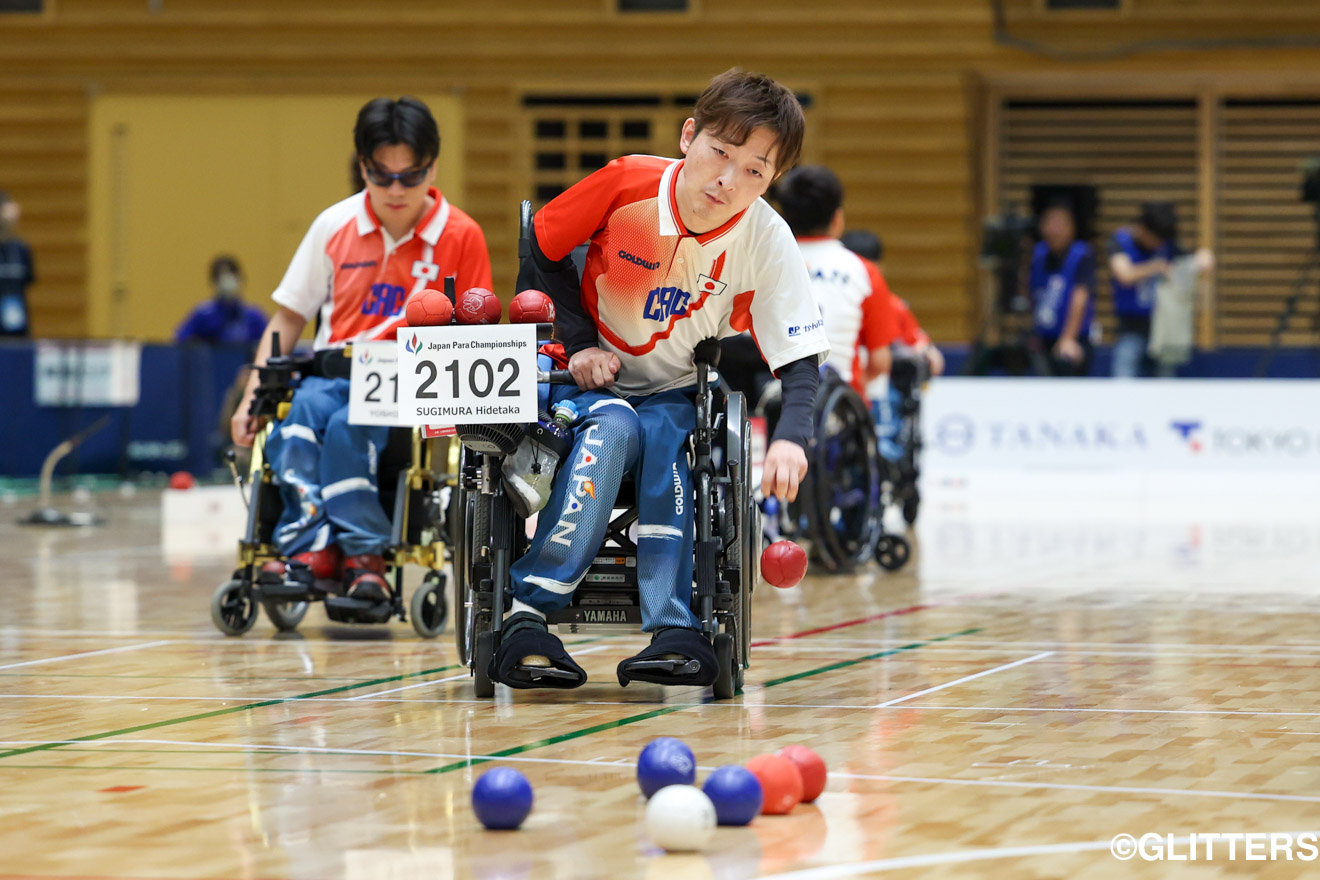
(905,99)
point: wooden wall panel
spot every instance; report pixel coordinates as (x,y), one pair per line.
(894,82)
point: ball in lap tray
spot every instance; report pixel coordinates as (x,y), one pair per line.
(477,305)
(430,308)
(532,307)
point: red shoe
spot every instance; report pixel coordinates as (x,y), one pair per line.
(365,575)
(324,564)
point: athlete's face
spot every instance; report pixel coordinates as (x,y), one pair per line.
(399,207)
(1057,228)
(720,179)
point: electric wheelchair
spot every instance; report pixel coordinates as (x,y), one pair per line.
(409,485)
(487,535)
(841,502)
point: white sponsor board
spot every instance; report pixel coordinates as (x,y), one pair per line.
(467,374)
(1120,429)
(373,394)
(87,373)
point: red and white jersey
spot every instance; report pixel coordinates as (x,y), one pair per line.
(910,334)
(655,290)
(854,301)
(350,271)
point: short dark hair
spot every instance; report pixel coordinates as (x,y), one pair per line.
(384,122)
(1161,219)
(864,243)
(736,103)
(225,263)
(808,197)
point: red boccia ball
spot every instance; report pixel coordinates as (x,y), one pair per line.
(783,564)
(182,480)
(781,783)
(532,307)
(430,308)
(477,305)
(813,770)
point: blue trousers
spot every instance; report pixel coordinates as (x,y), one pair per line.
(326,470)
(647,437)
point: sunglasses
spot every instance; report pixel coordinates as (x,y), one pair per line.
(412,177)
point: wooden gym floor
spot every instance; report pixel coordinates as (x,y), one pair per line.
(1033,685)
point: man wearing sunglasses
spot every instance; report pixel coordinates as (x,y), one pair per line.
(356,269)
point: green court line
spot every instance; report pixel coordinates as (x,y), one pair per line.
(155,725)
(457,765)
(645,716)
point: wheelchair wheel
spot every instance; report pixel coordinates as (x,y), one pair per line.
(285,615)
(892,552)
(483,653)
(842,487)
(726,683)
(234,608)
(428,607)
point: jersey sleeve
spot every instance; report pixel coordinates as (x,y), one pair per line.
(576,214)
(785,320)
(879,326)
(306,282)
(1086,271)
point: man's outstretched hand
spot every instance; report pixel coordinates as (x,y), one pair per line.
(785,466)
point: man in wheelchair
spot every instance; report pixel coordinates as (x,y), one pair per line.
(681,250)
(359,264)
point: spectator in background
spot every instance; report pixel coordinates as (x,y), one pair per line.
(1140,257)
(225,319)
(1062,293)
(912,340)
(16,272)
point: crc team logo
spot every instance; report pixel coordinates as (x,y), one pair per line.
(1187,431)
(412,346)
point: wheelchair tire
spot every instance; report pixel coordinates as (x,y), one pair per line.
(285,615)
(483,653)
(429,607)
(726,682)
(234,608)
(892,552)
(842,537)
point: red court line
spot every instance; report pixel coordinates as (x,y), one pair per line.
(108,877)
(847,623)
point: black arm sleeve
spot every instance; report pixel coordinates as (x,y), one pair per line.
(799,380)
(559,280)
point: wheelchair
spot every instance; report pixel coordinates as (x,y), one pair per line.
(487,535)
(841,502)
(410,486)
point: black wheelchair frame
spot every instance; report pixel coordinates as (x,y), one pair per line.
(486,535)
(908,377)
(416,526)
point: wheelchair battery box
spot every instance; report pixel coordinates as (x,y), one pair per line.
(618,571)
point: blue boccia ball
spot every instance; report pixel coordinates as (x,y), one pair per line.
(736,794)
(665,761)
(502,798)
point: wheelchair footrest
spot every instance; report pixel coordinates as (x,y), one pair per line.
(342,609)
(288,591)
(536,673)
(669,667)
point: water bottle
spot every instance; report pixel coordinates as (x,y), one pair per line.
(529,473)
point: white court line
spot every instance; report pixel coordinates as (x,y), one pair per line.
(816,648)
(118,650)
(833,872)
(965,678)
(1112,789)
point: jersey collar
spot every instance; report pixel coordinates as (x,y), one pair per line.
(428,228)
(671,223)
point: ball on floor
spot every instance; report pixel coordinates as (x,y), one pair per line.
(665,761)
(502,798)
(736,794)
(781,783)
(680,818)
(813,770)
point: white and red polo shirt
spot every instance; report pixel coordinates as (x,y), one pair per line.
(349,270)
(655,290)
(854,301)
